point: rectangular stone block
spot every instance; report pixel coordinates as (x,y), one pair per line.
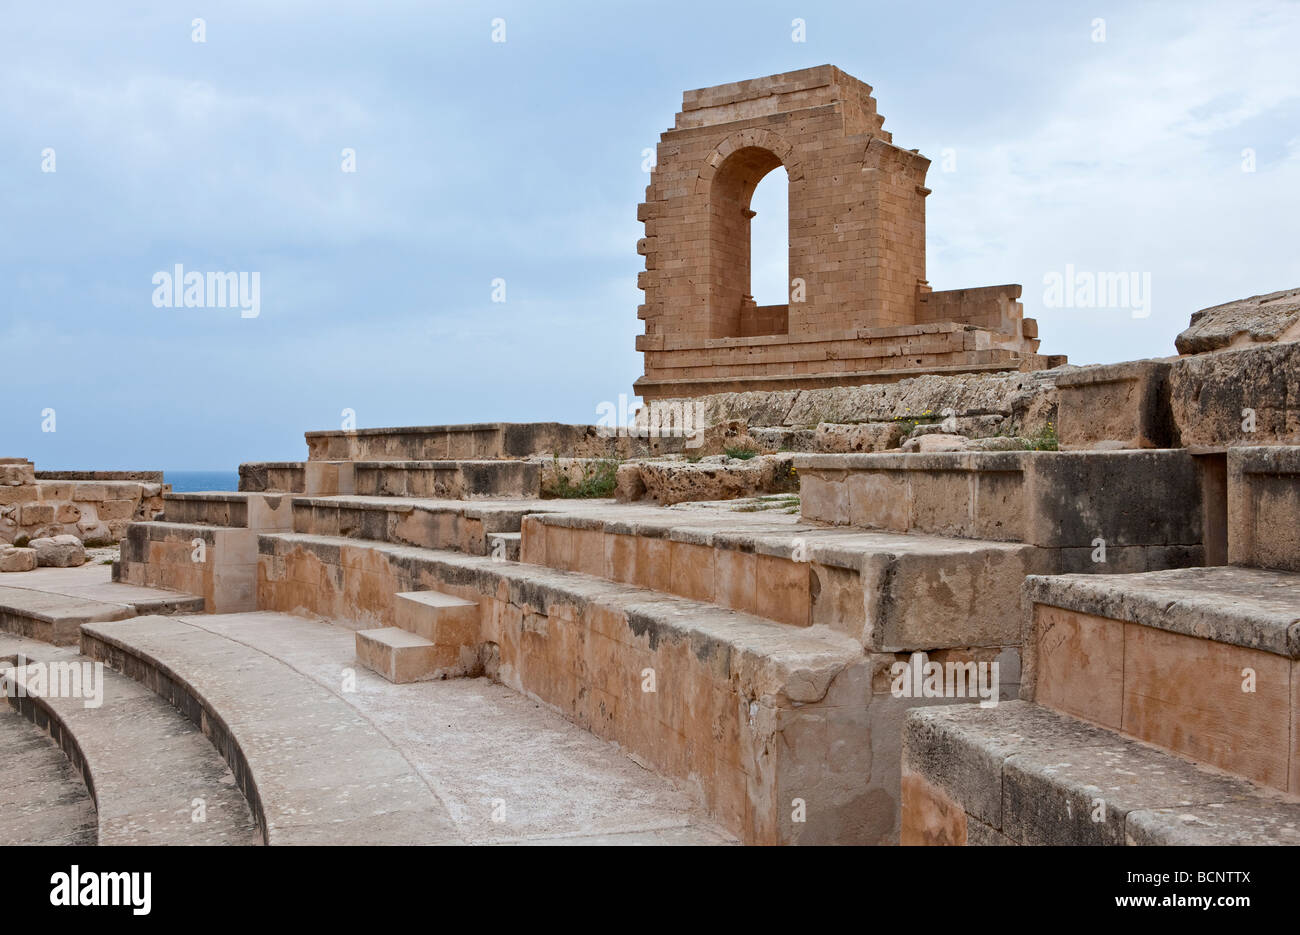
(1115,406)
(395,654)
(1264,507)
(1249,396)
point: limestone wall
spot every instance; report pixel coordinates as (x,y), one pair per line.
(93,506)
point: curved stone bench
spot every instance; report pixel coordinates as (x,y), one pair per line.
(42,798)
(313,770)
(154,777)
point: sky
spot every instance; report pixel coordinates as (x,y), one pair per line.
(1155,138)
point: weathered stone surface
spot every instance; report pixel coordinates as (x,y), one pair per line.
(669,482)
(936,441)
(1264,507)
(17,472)
(15,559)
(1250,607)
(1248,396)
(781,438)
(507,747)
(860,436)
(59,552)
(1274,316)
(711,664)
(274,726)
(273,477)
(628,485)
(1116,406)
(1034,776)
(715,439)
(43,799)
(1125,498)
(1020,403)
(149,764)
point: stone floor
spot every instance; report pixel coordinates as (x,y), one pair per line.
(482,748)
(505,769)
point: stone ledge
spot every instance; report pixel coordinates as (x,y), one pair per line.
(1034,776)
(770,659)
(1248,607)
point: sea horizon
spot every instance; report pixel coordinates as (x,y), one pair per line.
(190,481)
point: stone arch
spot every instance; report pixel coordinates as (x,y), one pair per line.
(727,180)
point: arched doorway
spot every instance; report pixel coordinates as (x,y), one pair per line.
(733,311)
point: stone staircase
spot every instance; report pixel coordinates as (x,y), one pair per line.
(754,658)
(152,776)
(1158,707)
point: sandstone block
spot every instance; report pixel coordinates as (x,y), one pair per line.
(34,514)
(15,559)
(110,510)
(1248,396)
(864,436)
(936,441)
(59,552)
(1116,406)
(1260,318)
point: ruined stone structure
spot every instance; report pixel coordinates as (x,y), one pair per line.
(860,309)
(1000,608)
(94,506)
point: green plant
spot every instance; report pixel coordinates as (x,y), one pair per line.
(1045,440)
(741,453)
(598,480)
(909,423)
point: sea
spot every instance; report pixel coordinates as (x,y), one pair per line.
(189,481)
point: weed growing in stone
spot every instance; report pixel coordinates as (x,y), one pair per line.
(597,481)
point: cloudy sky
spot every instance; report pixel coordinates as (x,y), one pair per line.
(522,160)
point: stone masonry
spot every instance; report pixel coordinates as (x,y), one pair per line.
(860,310)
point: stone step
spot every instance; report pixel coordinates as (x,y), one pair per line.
(505,546)
(244,510)
(893,593)
(1201,661)
(1019,773)
(1149,509)
(42,799)
(275,477)
(60,600)
(462,525)
(155,779)
(398,655)
(449,480)
(443,618)
(313,769)
(489,440)
(217,562)
(751,712)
